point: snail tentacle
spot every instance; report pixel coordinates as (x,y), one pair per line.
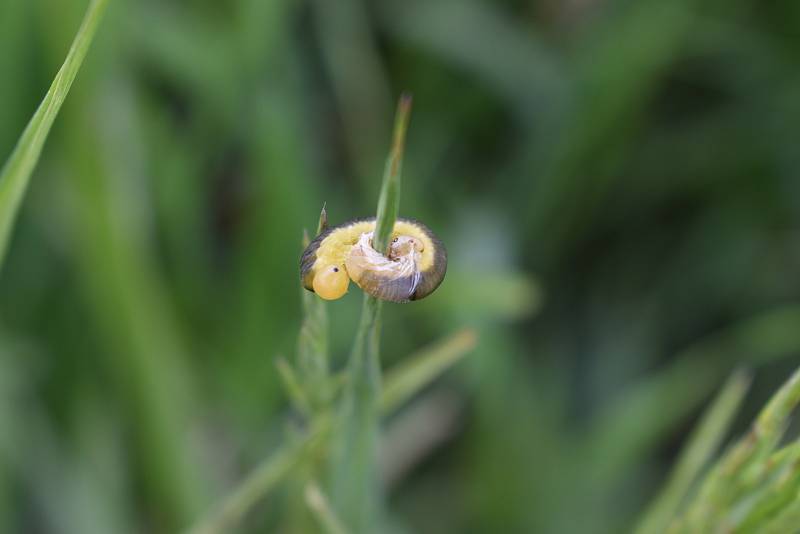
(394,278)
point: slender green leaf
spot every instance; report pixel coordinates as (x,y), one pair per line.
(701,446)
(401,384)
(312,346)
(269,473)
(772,420)
(625,428)
(354,456)
(420,370)
(786,521)
(320,505)
(16,173)
(292,385)
(389,200)
(749,483)
(768,501)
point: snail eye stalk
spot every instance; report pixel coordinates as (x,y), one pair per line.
(331,282)
(404,246)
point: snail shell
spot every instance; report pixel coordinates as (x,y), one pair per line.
(413,268)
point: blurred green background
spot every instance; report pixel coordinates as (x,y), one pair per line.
(616,182)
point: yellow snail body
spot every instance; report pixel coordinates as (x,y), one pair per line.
(413,268)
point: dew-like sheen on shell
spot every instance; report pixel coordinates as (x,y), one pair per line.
(415,266)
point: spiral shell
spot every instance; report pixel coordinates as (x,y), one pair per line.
(413,268)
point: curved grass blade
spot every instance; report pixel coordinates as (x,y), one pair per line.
(389,199)
(312,347)
(16,172)
(419,370)
(701,446)
(742,480)
(266,477)
(354,473)
(785,521)
(319,504)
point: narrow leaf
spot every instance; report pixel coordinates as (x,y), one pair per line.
(747,478)
(702,445)
(318,503)
(293,387)
(16,173)
(312,345)
(416,372)
(269,473)
(389,200)
(786,521)
(354,472)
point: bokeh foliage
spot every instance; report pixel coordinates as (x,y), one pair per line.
(616,182)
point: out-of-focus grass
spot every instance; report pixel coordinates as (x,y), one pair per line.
(17,170)
(702,445)
(752,488)
(299,459)
(615,183)
(319,503)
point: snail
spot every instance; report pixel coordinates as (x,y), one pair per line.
(412,269)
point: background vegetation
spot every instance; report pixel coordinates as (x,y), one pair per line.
(616,182)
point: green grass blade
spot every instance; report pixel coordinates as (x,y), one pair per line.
(323,220)
(420,370)
(354,449)
(701,446)
(786,521)
(265,478)
(402,383)
(769,502)
(294,389)
(744,479)
(389,200)
(312,346)
(625,429)
(16,173)
(319,504)
(772,420)
(354,455)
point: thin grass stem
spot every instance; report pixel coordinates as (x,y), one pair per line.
(16,173)
(354,472)
(702,445)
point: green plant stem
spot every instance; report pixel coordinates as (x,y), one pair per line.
(771,422)
(422,368)
(402,383)
(16,173)
(355,428)
(318,503)
(269,473)
(786,521)
(354,473)
(312,347)
(389,199)
(736,477)
(294,389)
(701,446)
